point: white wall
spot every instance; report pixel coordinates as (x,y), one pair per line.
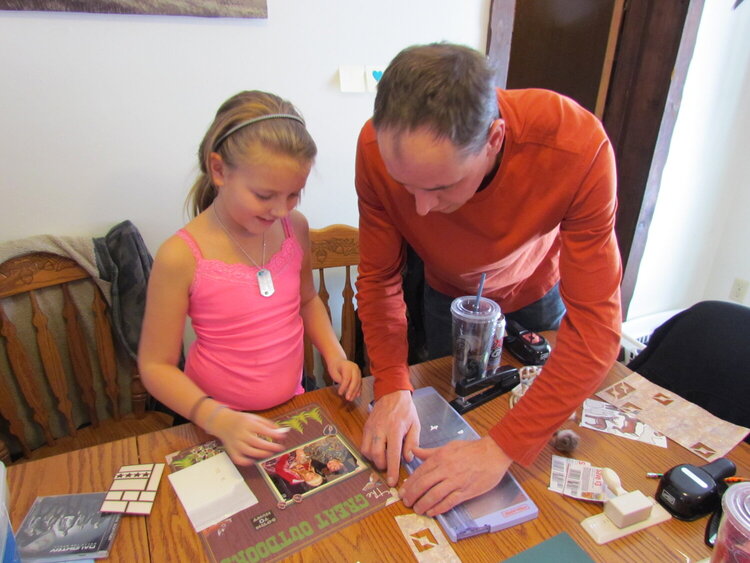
(699,239)
(101,115)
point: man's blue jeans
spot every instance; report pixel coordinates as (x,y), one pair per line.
(544,314)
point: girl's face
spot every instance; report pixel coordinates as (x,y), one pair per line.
(255,193)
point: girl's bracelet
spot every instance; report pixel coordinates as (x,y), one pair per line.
(194,408)
(211,417)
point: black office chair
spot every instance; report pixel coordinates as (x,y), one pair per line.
(703,355)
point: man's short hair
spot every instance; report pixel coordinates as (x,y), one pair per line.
(445,87)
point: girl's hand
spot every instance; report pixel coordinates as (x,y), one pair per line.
(348,376)
(246,436)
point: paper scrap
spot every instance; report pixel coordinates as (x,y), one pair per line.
(394,496)
(577,479)
(601,416)
(211,491)
(352,78)
(689,425)
(426,539)
(133,489)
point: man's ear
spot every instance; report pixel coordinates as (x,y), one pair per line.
(496,136)
(216,169)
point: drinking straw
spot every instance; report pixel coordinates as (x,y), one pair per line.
(479,292)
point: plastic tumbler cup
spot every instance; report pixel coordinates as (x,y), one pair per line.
(733,539)
(473,331)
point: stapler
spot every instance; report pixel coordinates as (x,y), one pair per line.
(501,381)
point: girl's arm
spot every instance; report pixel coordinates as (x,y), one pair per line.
(159,354)
(318,325)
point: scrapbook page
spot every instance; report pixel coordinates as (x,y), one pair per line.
(318,485)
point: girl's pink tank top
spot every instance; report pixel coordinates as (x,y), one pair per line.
(248,352)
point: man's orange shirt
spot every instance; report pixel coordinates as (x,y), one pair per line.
(547,216)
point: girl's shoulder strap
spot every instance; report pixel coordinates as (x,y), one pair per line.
(288,228)
(192,244)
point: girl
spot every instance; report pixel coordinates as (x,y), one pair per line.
(241,270)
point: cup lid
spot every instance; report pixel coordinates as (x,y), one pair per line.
(464,308)
(736,505)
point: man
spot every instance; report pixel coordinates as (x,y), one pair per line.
(519,185)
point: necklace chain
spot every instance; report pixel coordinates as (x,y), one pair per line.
(238,245)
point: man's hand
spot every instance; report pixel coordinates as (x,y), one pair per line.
(392,423)
(453,473)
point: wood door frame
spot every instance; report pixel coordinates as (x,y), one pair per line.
(654,48)
(656,45)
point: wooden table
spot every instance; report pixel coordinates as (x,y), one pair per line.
(166,535)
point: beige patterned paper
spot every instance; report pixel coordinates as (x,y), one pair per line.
(687,424)
(426,539)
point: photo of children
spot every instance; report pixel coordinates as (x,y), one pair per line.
(310,468)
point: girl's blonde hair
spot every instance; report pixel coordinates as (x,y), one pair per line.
(285,136)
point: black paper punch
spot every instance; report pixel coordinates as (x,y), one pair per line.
(689,492)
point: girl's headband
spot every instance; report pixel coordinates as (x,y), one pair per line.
(239,126)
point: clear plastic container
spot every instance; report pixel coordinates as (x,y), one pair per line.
(733,539)
(8,548)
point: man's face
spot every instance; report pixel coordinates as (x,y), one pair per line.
(439,175)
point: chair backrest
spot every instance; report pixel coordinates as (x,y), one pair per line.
(703,355)
(335,246)
(59,370)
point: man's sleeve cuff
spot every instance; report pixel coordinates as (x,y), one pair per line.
(520,452)
(386,385)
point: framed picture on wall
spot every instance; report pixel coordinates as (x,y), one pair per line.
(200,8)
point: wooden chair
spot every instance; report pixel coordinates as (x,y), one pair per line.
(335,246)
(59,370)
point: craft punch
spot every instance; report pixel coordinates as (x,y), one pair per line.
(689,492)
(624,514)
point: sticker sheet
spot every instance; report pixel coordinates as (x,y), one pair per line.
(603,417)
(133,489)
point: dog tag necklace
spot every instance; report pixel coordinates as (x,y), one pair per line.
(265,281)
